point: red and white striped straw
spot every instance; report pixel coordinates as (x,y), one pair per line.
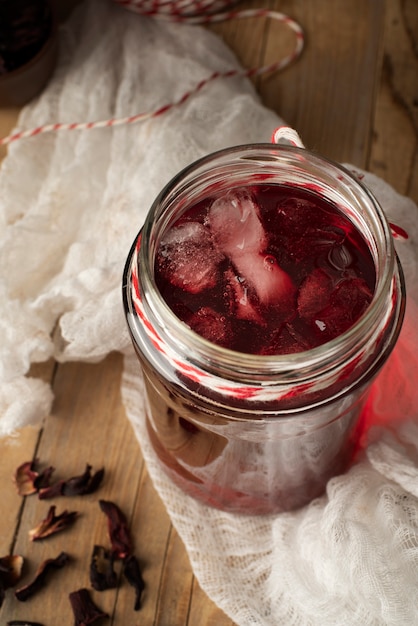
(173,11)
(286,134)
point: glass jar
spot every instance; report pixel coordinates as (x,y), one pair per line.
(243,432)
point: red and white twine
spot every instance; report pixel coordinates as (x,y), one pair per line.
(190,11)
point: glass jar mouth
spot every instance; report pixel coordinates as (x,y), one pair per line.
(301,168)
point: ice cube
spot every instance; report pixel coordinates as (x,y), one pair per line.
(188,258)
(211,325)
(239,234)
(347,303)
(295,213)
(235,223)
(240,298)
(314,294)
(273,286)
(286,340)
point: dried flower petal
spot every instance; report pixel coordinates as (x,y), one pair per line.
(24,593)
(102,574)
(84,484)
(118,529)
(85,610)
(10,573)
(76,486)
(11,570)
(51,491)
(52,524)
(134,577)
(28,480)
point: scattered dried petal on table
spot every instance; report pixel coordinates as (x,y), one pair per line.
(102,573)
(118,529)
(10,572)
(81,485)
(134,577)
(28,480)
(85,610)
(24,593)
(52,524)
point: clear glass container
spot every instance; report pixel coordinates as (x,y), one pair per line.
(243,432)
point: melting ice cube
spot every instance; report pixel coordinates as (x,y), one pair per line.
(240,298)
(314,294)
(239,234)
(211,325)
(188,259)
(235,223)
(332,308)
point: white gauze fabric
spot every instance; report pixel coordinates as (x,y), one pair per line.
(72,203)
(70,207)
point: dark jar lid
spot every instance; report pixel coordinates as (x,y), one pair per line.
(28,49)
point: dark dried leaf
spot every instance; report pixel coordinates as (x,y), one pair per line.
(134,577)
(85,610)
(28,480)
(24,593)
(102,573)
(118,529)
(52,524)
(51,491)
(10,573)
(81,485)
(10,570)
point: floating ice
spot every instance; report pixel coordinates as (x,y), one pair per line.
(240,298)
(239,234)
(332,307)
(211,325)
(188,259)
(314,294)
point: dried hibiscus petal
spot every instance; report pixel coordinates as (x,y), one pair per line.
(28,480)
(10,573)
(52,524)
(118,529)
(10,570)
(85,610)
(134,577)
(80,485)
(102,573)
(24,593)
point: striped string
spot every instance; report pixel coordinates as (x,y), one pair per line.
(174,11)
(287,135)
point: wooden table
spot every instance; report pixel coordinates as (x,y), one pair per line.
(352,96)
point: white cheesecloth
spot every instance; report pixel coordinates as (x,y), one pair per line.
(71,204)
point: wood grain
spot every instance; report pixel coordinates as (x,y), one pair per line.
(353,97)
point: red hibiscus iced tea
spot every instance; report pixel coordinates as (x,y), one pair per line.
(266,270)
(262,295)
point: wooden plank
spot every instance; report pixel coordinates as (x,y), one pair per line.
(8,120)
(319,94)
(328,96)
(394,154)
(204,612)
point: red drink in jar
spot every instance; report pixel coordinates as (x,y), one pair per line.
(262,295)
